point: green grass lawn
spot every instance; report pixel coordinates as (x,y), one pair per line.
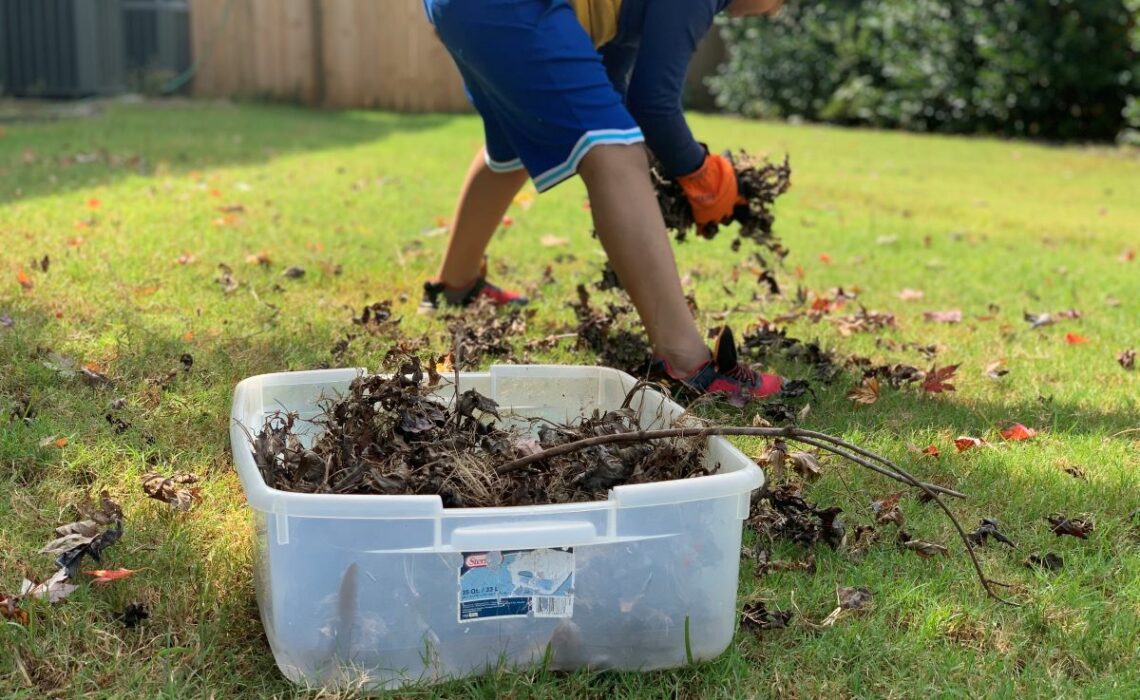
(992,228)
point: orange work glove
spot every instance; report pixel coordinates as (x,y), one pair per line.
(711,190)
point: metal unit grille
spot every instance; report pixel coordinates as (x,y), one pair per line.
(61,48)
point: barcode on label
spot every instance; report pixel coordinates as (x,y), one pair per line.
(552,606)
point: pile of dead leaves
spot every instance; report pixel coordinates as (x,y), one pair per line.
(483,331)
(617,339)
(98,528)
(759,183)
(397,434)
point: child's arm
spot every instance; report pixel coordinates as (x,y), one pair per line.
(671,32)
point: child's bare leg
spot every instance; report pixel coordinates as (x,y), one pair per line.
(630,227)
(484,199)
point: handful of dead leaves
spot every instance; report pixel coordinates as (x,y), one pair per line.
(759,184)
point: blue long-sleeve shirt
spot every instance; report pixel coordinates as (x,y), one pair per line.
(647,61)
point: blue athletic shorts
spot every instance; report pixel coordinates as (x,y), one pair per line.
(535,77)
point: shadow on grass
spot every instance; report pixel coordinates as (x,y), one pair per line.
(175,137)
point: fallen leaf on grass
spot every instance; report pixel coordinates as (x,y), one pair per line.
(6,321)
(1017,431)
(294,272)
(104,576)
(938,380)
(852,599)
(10,609)
(757,616)
(931,451)
(25,281)
(87,528)
(553,241)
(965,442)
(166,489)
(1127,359)
(508,221)
(806,464)
(71,559)
(1128,255)
(866,393)
(226,279)
(996,370)
(1060,525)
(185,259)
(54,589)
(132,615)
(66,543)
(951,316)
(988,529)
(1039,320)
(260,258)
(1048,561)
(908,294)
(1075,339)
(1075,472)
(925,549)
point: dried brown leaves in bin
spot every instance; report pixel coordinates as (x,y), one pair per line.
(392,434)
(759,183)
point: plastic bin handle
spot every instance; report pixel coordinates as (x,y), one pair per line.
(527,535)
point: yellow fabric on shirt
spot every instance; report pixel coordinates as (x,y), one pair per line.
(599,18)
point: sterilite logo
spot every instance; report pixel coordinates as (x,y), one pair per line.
(475,561)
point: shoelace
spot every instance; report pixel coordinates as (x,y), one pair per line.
(744,374)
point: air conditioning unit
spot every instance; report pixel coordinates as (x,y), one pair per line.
(157,41)
(61,48)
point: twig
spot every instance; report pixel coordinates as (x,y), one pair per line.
(458,352)
(696,432)
(926,488)
(897,476)
(815,439)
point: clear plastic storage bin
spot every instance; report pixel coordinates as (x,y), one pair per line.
(389,590)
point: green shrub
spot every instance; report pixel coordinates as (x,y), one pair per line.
(1047,68)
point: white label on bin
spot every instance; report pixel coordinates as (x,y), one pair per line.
(516,583)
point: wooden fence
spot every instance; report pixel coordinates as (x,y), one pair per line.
(344,53)
(336,53)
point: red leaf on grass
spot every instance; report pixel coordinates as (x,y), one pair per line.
(10,609)
(1017,431)
(1128,255)
(508,221)
(824,258)
(932,450)
(109,575)
(1075,339)
(25,281)
(965,442)
(938,380)
(93,203)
